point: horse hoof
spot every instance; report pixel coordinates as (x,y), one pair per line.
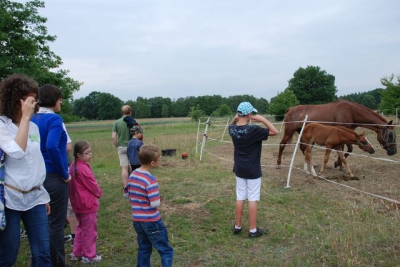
(278,167)
(336,164)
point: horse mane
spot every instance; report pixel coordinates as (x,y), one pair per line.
(363,108)
(347,130)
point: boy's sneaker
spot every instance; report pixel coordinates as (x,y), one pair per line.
(236,231)
(72,257)
(68,238)
(22,233)
(258,233)
(95,259)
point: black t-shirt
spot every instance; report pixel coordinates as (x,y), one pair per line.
(247,142)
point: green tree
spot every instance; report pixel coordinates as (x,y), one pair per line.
(98,106)
(281,102)
(370,99)
(25,49)
(376,93)
(130,103)
(390,95)
(179,108)
(196,113)
(156,104)
(142,110)
(77,106)
(222,111)
(209,103)
(89,109)
(165,111)
(262,105)
(313,86)
(234,101)
(108,106)
(134,104)
(367,100)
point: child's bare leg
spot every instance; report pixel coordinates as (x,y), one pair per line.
(253,214)
(239,206)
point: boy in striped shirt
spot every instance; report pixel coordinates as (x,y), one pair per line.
(144,197)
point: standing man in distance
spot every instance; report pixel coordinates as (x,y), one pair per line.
(120,138)
(247,141)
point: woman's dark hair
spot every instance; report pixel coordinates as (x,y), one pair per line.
(79,147)
(12,89)
(49,95)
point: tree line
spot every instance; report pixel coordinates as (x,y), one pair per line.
(105,106)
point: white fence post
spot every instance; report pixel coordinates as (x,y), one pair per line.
(283,122)
(226,126)
(197,137)
(294,152)
(204,138)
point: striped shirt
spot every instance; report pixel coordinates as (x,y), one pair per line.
(143,191)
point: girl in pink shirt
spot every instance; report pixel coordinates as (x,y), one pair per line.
(84,193)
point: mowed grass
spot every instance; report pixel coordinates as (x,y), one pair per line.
(311,223)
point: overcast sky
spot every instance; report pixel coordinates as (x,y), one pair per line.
(180,48)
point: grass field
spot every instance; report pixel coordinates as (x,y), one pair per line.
(314,222)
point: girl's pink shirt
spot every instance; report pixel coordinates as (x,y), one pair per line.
(84,191)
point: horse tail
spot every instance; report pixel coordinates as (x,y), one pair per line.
(286,112)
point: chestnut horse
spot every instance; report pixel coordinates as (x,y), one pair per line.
(332,137)
(340,112)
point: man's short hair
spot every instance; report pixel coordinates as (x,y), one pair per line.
(126,110)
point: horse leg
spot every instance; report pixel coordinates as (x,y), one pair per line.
(343,158)
(326,158)
(284,141)
(306,153)
(313,172)
(303,148)
(308,164)
(339,161)
(349,150)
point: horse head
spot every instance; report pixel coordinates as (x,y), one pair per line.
(387,138)
(364,144)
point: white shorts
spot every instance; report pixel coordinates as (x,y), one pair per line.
(123,156)
(248,189)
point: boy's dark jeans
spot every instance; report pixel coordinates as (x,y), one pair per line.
(151,234)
